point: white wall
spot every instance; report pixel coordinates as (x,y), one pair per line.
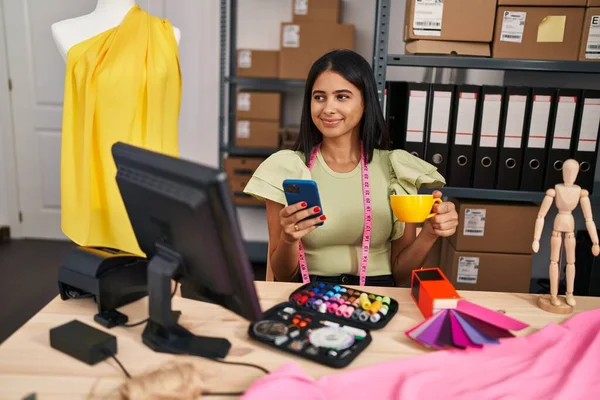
(7,197)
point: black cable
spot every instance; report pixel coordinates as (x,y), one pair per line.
(121,365)
(146,320)
(266,371)
(114,357)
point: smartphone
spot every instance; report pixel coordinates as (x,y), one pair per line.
(297,190)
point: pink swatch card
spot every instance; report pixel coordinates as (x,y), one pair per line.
(489,316)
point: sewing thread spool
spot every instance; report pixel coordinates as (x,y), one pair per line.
(375,307)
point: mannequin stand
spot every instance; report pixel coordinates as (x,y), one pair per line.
(544,303)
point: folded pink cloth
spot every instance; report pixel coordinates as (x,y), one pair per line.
(556,362)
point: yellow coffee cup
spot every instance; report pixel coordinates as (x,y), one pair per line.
(413,208)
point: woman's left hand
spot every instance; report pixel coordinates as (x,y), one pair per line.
(445,222)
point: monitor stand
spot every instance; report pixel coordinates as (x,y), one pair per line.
(162,333)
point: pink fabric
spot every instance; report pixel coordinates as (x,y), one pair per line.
(556,362)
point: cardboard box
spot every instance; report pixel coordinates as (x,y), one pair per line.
(303,43)
(257,134)
(538,33)
(237,185)
(456,20)
(494,272)
(241,166)
(547,3)
(289,134)
(257,63)
(258,105)
(593,3)
(447,48)
(590,36)
(316,10)
(496,227)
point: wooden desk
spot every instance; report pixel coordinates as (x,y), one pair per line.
(28,363)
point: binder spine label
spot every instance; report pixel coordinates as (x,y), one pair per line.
(465,116)
(427,18)
(468,268)
(490,120)
(592,48)
(590,120)
(415,124)
(513,25)
(440,117)
(563,129)
(515,118)
(540,114)
(474,222)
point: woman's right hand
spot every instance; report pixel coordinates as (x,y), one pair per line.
(292,229)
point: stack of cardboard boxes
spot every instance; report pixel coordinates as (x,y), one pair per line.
(258,118)
(491,249)
(315,29)
(462,27)
(566,30)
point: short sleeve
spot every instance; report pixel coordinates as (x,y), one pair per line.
(407,175)
(267,181)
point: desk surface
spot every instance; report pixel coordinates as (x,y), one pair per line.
(28,363)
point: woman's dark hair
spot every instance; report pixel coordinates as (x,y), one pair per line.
(356,70)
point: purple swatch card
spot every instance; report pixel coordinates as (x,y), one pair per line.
(429,336)
(474,335)
(459,337)
(444,338)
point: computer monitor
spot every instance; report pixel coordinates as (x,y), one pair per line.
(185,222)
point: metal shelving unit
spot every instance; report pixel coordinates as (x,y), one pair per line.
(381,61)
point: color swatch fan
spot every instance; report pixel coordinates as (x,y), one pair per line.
(452,321)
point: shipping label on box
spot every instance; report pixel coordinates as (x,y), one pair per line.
(592,47)
(245,59)
(513,25)
(427,18)
(291,36)
(468,268)
(243,129)
(474,222)
(243,102)
(300,7)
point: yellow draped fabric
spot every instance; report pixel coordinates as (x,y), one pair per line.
(123,84)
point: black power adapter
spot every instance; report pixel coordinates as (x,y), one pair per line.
(83,342)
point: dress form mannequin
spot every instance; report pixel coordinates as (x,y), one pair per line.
(567,196)
(106,15)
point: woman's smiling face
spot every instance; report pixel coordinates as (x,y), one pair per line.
(336,105)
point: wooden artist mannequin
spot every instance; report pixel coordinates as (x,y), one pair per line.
(567,196)
(106,15)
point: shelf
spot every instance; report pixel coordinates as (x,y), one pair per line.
(266,83)
(248,152)
(490,194)
(408,60)
(498,195)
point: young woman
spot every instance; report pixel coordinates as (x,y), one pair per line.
(342,125)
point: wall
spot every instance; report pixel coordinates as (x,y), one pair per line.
(6,144)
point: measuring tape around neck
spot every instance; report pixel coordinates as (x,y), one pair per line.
(368,220)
